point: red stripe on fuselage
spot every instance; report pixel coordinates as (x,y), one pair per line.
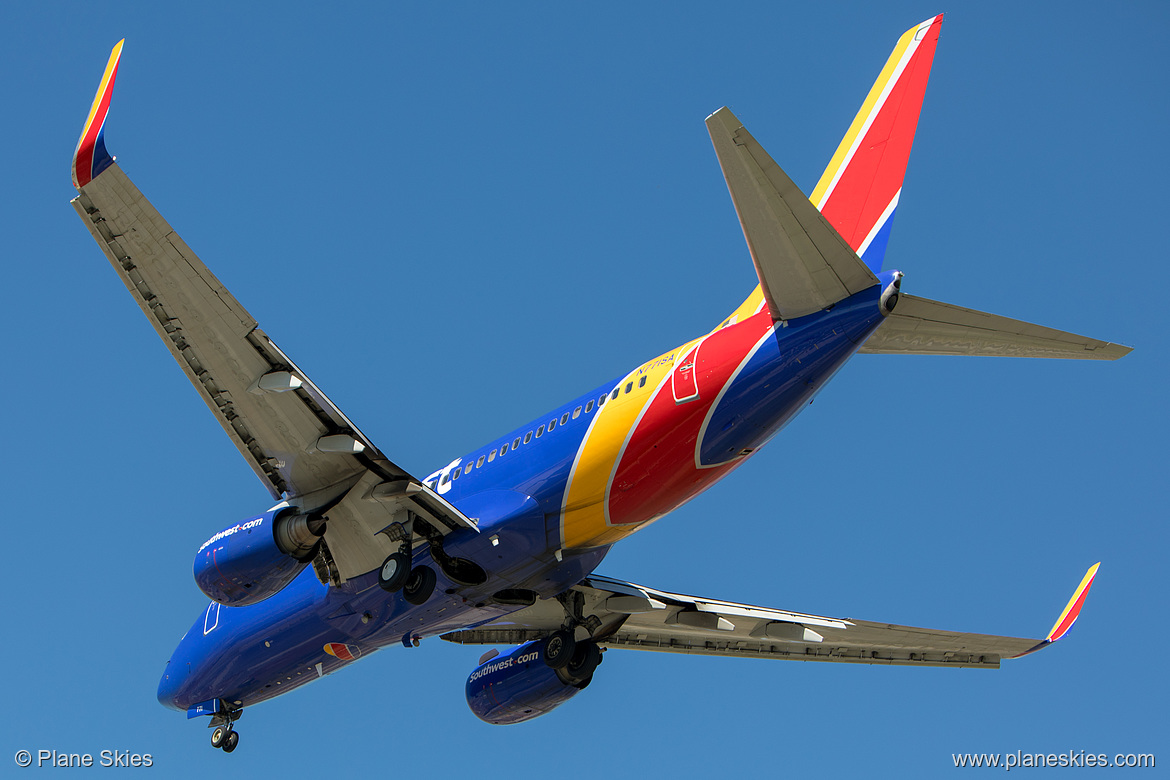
(657,471)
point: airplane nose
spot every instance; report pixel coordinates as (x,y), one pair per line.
(171,685)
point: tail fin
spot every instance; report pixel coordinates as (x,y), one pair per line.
(859,190)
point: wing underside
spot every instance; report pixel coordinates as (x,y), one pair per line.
(639,618)
(300,445)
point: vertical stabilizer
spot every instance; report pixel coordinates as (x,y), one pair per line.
(859,191)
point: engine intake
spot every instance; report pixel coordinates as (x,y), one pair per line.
(254,559)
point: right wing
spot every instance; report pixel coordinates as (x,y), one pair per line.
(301,446)
(640,618)
(921,326)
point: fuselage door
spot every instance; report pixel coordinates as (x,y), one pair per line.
(211,619)
(684,380)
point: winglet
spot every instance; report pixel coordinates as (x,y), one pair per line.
(91,158)
(1073,609)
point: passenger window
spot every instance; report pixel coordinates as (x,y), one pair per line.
(540,432)
(504,448)
(642,382)
(433,484)
(468,467)
(615,392)
(589,406)
(565,416)
(492,455)
(552,424)
(601,401)
(577,411)
(629,386)
(479,462)
(446,479)
(455,474)
(528,437)
(516,443)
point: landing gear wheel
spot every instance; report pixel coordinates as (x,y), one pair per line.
(558,649)
(233,739)
(220,735)
(394,572)
(420,585)
(585,661)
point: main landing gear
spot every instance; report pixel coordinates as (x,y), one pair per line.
(573,661)
(417,583)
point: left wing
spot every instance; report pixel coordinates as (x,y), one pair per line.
(303,448)
(642,618)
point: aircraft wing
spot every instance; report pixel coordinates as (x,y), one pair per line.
(640,618)
(301,446)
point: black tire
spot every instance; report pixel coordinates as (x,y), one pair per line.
(232,740)
(585,661)
(394,572)
(558,649)
(219,736)
(420,585)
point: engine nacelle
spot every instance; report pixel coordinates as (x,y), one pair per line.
(518,686)
(256,558)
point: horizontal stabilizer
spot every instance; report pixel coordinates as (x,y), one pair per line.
(921,326)
(803,263)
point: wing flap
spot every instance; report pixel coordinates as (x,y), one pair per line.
(924,327)
(803,263)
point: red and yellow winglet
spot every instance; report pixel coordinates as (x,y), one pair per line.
(91,158)
(1072,611)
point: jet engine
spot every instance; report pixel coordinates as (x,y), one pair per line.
(520,685)
(254,559)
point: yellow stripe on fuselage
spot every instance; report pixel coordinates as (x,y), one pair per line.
(585,520)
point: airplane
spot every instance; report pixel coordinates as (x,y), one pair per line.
(500,546)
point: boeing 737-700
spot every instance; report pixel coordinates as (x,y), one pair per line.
(500,545)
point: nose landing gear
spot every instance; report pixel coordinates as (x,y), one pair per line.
(223,736)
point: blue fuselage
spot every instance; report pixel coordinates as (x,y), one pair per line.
(244,655)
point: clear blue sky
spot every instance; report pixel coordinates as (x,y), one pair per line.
(456,219)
